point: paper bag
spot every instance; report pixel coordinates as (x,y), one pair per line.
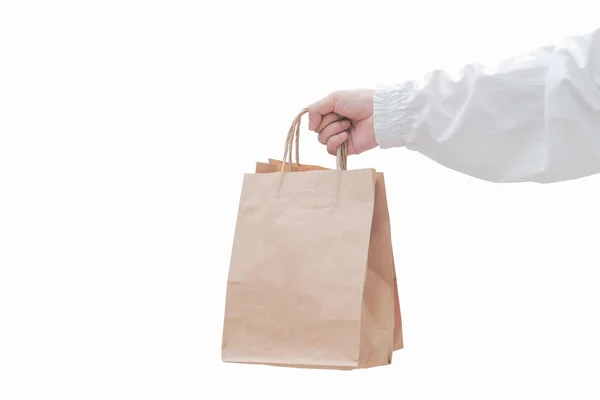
(311,280)
(380,250)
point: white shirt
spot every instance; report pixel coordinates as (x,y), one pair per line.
(535,118)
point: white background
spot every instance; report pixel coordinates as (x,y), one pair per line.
(125,129)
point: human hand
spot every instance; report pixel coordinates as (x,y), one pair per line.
(344,116)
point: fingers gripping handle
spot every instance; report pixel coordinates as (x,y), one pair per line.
(294,136)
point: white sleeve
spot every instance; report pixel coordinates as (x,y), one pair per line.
(535,118)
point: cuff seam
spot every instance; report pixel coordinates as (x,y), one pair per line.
(389,115)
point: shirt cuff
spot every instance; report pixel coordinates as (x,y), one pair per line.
(389,115)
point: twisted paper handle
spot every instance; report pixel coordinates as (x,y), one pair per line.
(294,132)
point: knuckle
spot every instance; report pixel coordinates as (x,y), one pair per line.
(336,96)
(337,99)
(335,127)
(341,125)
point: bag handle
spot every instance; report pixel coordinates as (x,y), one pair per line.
(294,133)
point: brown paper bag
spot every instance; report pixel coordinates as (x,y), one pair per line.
(311,280)
(380,251)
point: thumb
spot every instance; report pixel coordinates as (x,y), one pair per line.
(322,107)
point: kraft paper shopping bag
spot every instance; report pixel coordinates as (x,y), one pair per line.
(311,280)
(381,249)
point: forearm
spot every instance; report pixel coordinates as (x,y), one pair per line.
(535,118)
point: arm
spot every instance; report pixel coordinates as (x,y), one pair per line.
(536,118)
